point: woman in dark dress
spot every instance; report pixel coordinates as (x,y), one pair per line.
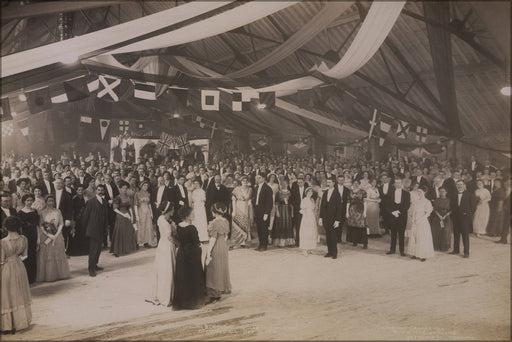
(30,221)
(124,237)
(282,234)
(78,242)
(189,281)
(496,209)
(356,232)
(441,223)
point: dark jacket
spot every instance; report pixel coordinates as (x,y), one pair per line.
(330,211)
(265,201)
(95,218)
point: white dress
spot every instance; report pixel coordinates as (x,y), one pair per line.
(481,217)
(198,199)
(308,229)
(420,242)
(414,198)
(163,269)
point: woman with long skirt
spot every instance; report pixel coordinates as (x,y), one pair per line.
(197,199)
(282,234)
(30,222)
(373,209)
(162,289)
(308,233)
(442,222)
(356,220)
(124,236)
(241,220)
(422,246)
(217,265)
(496,209)
(146,235)
(481,217)
(16,312)
(189,282)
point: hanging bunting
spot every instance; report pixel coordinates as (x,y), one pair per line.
(6,109)
(39,100)
(76,89)
(104,124)
(239,102)
(165,143)
(145,91)
(107,86)
(385,126)
(7,128)
(183,144)
(85,119)
(402,130)
(210,100)
(140,125)
(93,83)
(124,126)
(421,134)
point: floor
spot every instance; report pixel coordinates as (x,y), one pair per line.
(281,294)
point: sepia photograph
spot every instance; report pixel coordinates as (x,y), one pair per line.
(255,170)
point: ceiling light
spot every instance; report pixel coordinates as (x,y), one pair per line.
(262,106)
(22,97)
(505,91)
(176,115)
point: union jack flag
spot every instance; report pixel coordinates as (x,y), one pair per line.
(183,144)
(165,143)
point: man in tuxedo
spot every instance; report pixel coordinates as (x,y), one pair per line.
(263,203)
(506,212)
(111,192)
(83,178)
(208,181)
(95,220)
(64,202)
(473,166)
(385,190)
(398,203)
(330,217)
(463,207)
(419,179)
(297,193)
(46,184)
(344,193)
(449,184)
(68,186)
(492,179)
(160,200)
(179,196)
(216,192)
(13,187)
(433,192)
(7,210)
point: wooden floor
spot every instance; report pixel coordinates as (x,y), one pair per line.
(280,294)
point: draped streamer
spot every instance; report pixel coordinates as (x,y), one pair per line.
(71,49)
(215,25)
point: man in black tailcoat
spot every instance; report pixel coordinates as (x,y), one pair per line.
(463,207)
(215,192)
(263,203)
(398,203)
(330,217)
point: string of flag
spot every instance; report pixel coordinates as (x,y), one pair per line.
(381,124)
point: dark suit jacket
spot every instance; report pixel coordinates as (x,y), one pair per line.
(467,206)
(166,198)
(176,196)
(423,181)
(78,207)
(42,185)
(213,195)
(384,197)
(66,205)
(295,197)
(345,198)
(207,183)
(13,188)
(451,188)
(87,180)
(402,207)
(265,201)
(95,218)
(330,211)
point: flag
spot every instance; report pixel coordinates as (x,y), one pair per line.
(6,109)
(7,128)
(76,89)
(93,83)
(373,122)
(201,124)
(268,99)
(183,144)
(104,123)
(39,100)
(165,143)
(85,119)
(144,91)
(385,126)
(124,126)
(402,130)
(239,102)
(210,99)
(23,125)
(114,89)
(421,134)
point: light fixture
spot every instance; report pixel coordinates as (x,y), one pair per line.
(262,106)
(505,91)
(22,97)
(176,115)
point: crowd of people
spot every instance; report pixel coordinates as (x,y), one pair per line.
(193,211)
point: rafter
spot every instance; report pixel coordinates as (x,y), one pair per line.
(33,9)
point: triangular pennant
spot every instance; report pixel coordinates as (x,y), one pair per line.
(6,109)
(210,99)
(268,99)
(39,100)
(104,124)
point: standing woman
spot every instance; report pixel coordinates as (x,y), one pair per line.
(481,217)
(90,190)
(496,209)
(197,200)
(78,242)
(30,221)
(414,198)
(217,265)
(162,289)
(146,234)
(16,312)
(308,233)
(282,234)
(189,282)
(52,263)
(373,209)
(124,237)
(241,222)
(39,203)
(356,231)
(420,244)
(272,182)
(441,222)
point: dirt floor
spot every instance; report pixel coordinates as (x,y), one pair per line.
(280,294)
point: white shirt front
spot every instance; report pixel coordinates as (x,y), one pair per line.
(7,212)
(258,194)
(459,198)
(418,179)
(48,186)
(301,191)
(109,190)
(100,199)
(437,192)
(398,196)
(340,190)
(182,190)
(159,194)
(58,196)
(385,188)
(329,194)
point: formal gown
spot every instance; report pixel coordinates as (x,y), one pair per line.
(39,205)
(282,234)
(356,223)
(441,232)
(124,237)
(217,271)
(373,211)
(198,198)
(30,222)
(414,198)
(420,242)
(308,233)
(275,189)
(481,217)
(241,220)
(189,280)
(162,289)
(145,232)
(16,312)
(496,217)
(52,262)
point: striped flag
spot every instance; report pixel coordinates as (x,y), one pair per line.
(144,91)
(385,126)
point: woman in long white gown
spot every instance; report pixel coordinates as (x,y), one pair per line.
(162,288)
(197,199)
(481,217)
(420,243)
(410,212)
(308,229)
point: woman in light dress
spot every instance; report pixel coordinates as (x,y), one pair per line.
(420,244)
(39,202)
(162,289)
(308,230)
(365,182)
(197,200)
(481,217)
(241,219)
(146,235)
(414,199)
(373,209)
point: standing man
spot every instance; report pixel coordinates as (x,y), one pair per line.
(463,207)
(397,206)
(384,191)
(95,220)
(263,203)
(506,212)
(344,193)
(7,211)
(179,196)
(216,192)
(330,217)
(47,184)
(297,193)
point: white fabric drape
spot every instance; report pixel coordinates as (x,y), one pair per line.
(378,23)
(69,50)
(221,23)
